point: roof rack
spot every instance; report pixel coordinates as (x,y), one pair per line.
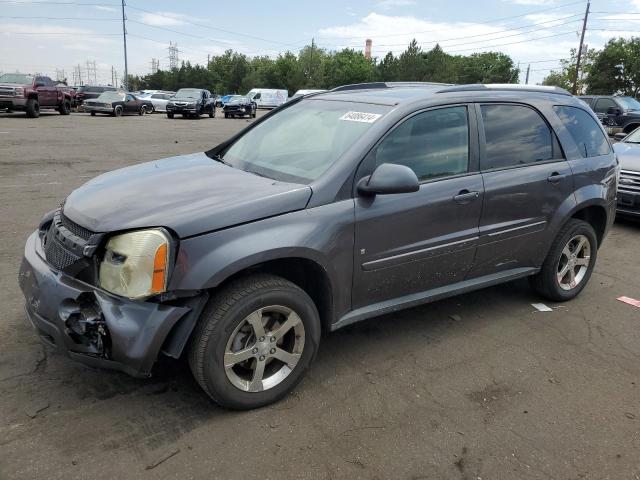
(375,85)
(476,87)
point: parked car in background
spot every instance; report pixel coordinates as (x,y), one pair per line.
(160,100)
(301,93)
(628,151)
(334,209)
(239,106)
(87,92)
(30,93)
(617,113)
(267,97)
(191,102)
(118,103)
(220,101)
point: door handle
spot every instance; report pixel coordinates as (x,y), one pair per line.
(465,196)
(555,177)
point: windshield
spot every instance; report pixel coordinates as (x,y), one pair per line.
(19,78)
(188,93)
(301,142)
(633,137)
(236,99)
(110,97)
(629,103)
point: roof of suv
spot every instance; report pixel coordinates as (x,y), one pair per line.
(394,93)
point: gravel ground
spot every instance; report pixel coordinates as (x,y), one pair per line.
(479,386)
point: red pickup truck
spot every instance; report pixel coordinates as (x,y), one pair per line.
(30,93)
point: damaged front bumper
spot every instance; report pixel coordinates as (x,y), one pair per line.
(97,328)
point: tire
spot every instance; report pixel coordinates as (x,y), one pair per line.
(169,115)
(93,114)
(117,111)
(212,112)
(143,110)
(226,115)
(253,115)
(547,282)
(223,327)
(65,108)
(33,108)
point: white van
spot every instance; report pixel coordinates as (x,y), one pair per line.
(267,97)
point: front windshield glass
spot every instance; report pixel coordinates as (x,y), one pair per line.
(18,78)
(188,93)
(236,99)
(629,103)
(633,137)
(301,142)
(111,97)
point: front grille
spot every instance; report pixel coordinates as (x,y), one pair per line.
(57,255)
(6,91)
(63,244)
(74,228)
(629,181)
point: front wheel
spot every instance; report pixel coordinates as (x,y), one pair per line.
(65,107)
(169,115)
(93,114)
(212,112)
(143,110)
(254,341)
(118,111)
(569,264)
(33,108)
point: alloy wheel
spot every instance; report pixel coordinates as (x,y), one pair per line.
(574,262)
(264,348)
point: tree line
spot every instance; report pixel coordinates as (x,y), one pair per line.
(314,67)
(615,69)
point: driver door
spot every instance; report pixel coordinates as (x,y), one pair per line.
(131,104)
(413,242)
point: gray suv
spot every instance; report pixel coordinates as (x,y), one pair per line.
(331,209)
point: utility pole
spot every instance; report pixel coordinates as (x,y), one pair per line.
(124,38)
(173,56)
(526,80)
(574,90)
(311,61)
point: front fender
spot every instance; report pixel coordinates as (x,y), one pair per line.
(324,235)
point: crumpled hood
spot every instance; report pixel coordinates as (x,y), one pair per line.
(189,194)
(629,155)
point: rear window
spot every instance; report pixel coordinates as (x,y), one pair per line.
(585,131)
(516,135)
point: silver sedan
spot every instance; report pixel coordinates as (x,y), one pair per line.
(159,100)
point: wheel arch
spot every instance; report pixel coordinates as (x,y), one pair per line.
(594,214)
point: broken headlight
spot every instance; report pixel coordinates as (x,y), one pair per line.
(136,264)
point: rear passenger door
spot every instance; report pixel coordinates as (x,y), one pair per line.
(526,179)
(412,242)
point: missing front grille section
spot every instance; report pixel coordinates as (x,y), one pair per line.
(74,228)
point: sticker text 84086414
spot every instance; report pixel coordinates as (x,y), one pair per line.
(360,117)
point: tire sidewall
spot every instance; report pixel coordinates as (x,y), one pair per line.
(117,111)
(580,228)
(214,373)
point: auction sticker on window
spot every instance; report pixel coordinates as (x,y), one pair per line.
(360,117)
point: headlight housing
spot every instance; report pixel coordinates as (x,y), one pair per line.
(136,264)
(18,92)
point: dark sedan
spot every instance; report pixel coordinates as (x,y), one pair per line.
(117,104)
(628,150)
(239,106)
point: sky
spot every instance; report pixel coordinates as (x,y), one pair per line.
(52,36)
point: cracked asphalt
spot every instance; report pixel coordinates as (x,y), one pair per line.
(481,386)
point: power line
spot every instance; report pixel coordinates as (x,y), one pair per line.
(19,2)
(63,33)
(59,18)
(486,22)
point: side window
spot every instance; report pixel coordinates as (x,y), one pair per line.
(129,98)
(516,135)
(157,95)
(432,144)
(603,104)
(584,130)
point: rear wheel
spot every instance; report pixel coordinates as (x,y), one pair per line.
(254,341)
(569,264)
(33,108)
(93,114)
(65,107)
(117,111)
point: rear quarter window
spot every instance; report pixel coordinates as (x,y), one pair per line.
(584,130)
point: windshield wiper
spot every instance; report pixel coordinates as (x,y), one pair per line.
(218,158)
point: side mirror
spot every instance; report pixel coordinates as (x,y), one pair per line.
(389,178)
(619,136)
